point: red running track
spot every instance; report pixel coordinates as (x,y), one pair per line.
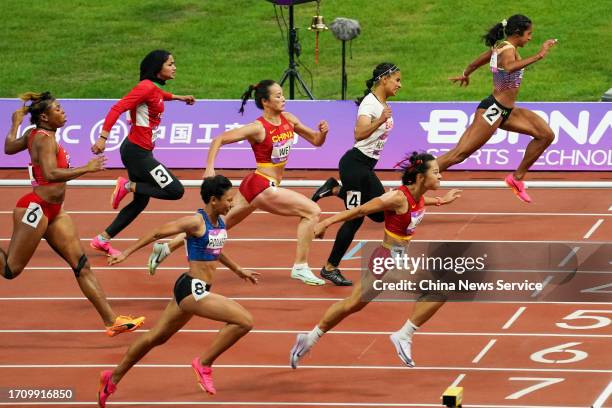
(503,354)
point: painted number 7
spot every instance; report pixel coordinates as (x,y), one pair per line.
(540,383)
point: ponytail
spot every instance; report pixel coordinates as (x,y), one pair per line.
(39,103)
(382,70)
(516,24)
(258,91)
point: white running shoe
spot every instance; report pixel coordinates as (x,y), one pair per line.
(304,274)
(403,347)
(299,349)
(157,256)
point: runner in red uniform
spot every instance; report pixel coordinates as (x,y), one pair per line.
(404,210)
(39,214)
(271,137)
(147,177)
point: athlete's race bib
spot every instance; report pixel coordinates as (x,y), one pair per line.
(492,113)
(415,218)
(198,289)
(33,215)
(216,240)
(155,133)
(280,150)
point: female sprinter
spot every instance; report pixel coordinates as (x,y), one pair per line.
(271,137)
(147,177)
(359,182)
(498,110)
(39,214)
(206,235)
(403,209)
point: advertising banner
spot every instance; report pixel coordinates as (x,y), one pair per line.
(583,134)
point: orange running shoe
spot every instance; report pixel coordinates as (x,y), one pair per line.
(124,324)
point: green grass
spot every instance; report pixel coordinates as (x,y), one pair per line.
(92,49)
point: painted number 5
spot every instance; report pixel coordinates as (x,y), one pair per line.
(589,315)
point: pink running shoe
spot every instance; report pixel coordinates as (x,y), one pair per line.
(119,193)
(107,387)
(103,246)
(204,376)
(518,187)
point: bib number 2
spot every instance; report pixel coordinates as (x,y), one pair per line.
(492,113)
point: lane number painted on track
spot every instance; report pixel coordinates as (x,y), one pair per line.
(540,383)
(590,316)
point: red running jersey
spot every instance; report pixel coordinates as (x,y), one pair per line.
(274,149)
(402,226)
(62,158)
(146,105)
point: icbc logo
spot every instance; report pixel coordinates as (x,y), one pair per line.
(115,136)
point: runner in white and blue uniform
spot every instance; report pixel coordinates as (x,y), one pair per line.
(205,236)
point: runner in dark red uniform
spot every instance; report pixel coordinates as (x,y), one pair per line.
(39,214)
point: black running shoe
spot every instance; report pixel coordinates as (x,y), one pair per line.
(326,190)
(335,277)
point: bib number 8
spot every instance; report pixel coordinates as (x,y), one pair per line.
(198,289)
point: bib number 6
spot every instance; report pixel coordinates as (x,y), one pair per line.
(33,215)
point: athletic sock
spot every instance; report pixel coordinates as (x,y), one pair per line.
(314,335)
(127,185)
(408,329)
(101,238)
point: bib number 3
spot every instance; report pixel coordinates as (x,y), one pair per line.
(161,176)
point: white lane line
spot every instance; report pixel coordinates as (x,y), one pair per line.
(264,404)
(593,228)
(544,283)
(281,268)
(351,333)
(289,239)
(457,381)
(603,397)
(515,316)
(429,213)
(569,256)
(484,351)
(322,367)
(275,299)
